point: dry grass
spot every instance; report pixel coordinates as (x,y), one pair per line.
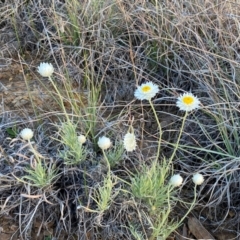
(101,50)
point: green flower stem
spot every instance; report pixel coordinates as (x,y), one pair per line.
(160,129)
(192,205)
(108,164)
(60,97)
(179,137)
(34,151)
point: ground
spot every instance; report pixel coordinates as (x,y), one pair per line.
(101,52)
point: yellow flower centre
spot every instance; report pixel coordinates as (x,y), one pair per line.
(188,100)
(146,89)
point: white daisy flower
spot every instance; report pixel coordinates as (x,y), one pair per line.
(46,69)
(104,142)
(187,102)
(26,134)
(129,142)
(146,91)
(176,180)
(82,139)
(198,178)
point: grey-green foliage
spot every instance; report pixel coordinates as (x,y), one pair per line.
(40,175)
(150,188)
(74,151)
(150,185)
(115,154)
(103,195)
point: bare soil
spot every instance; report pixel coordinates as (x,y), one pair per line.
(22,91)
